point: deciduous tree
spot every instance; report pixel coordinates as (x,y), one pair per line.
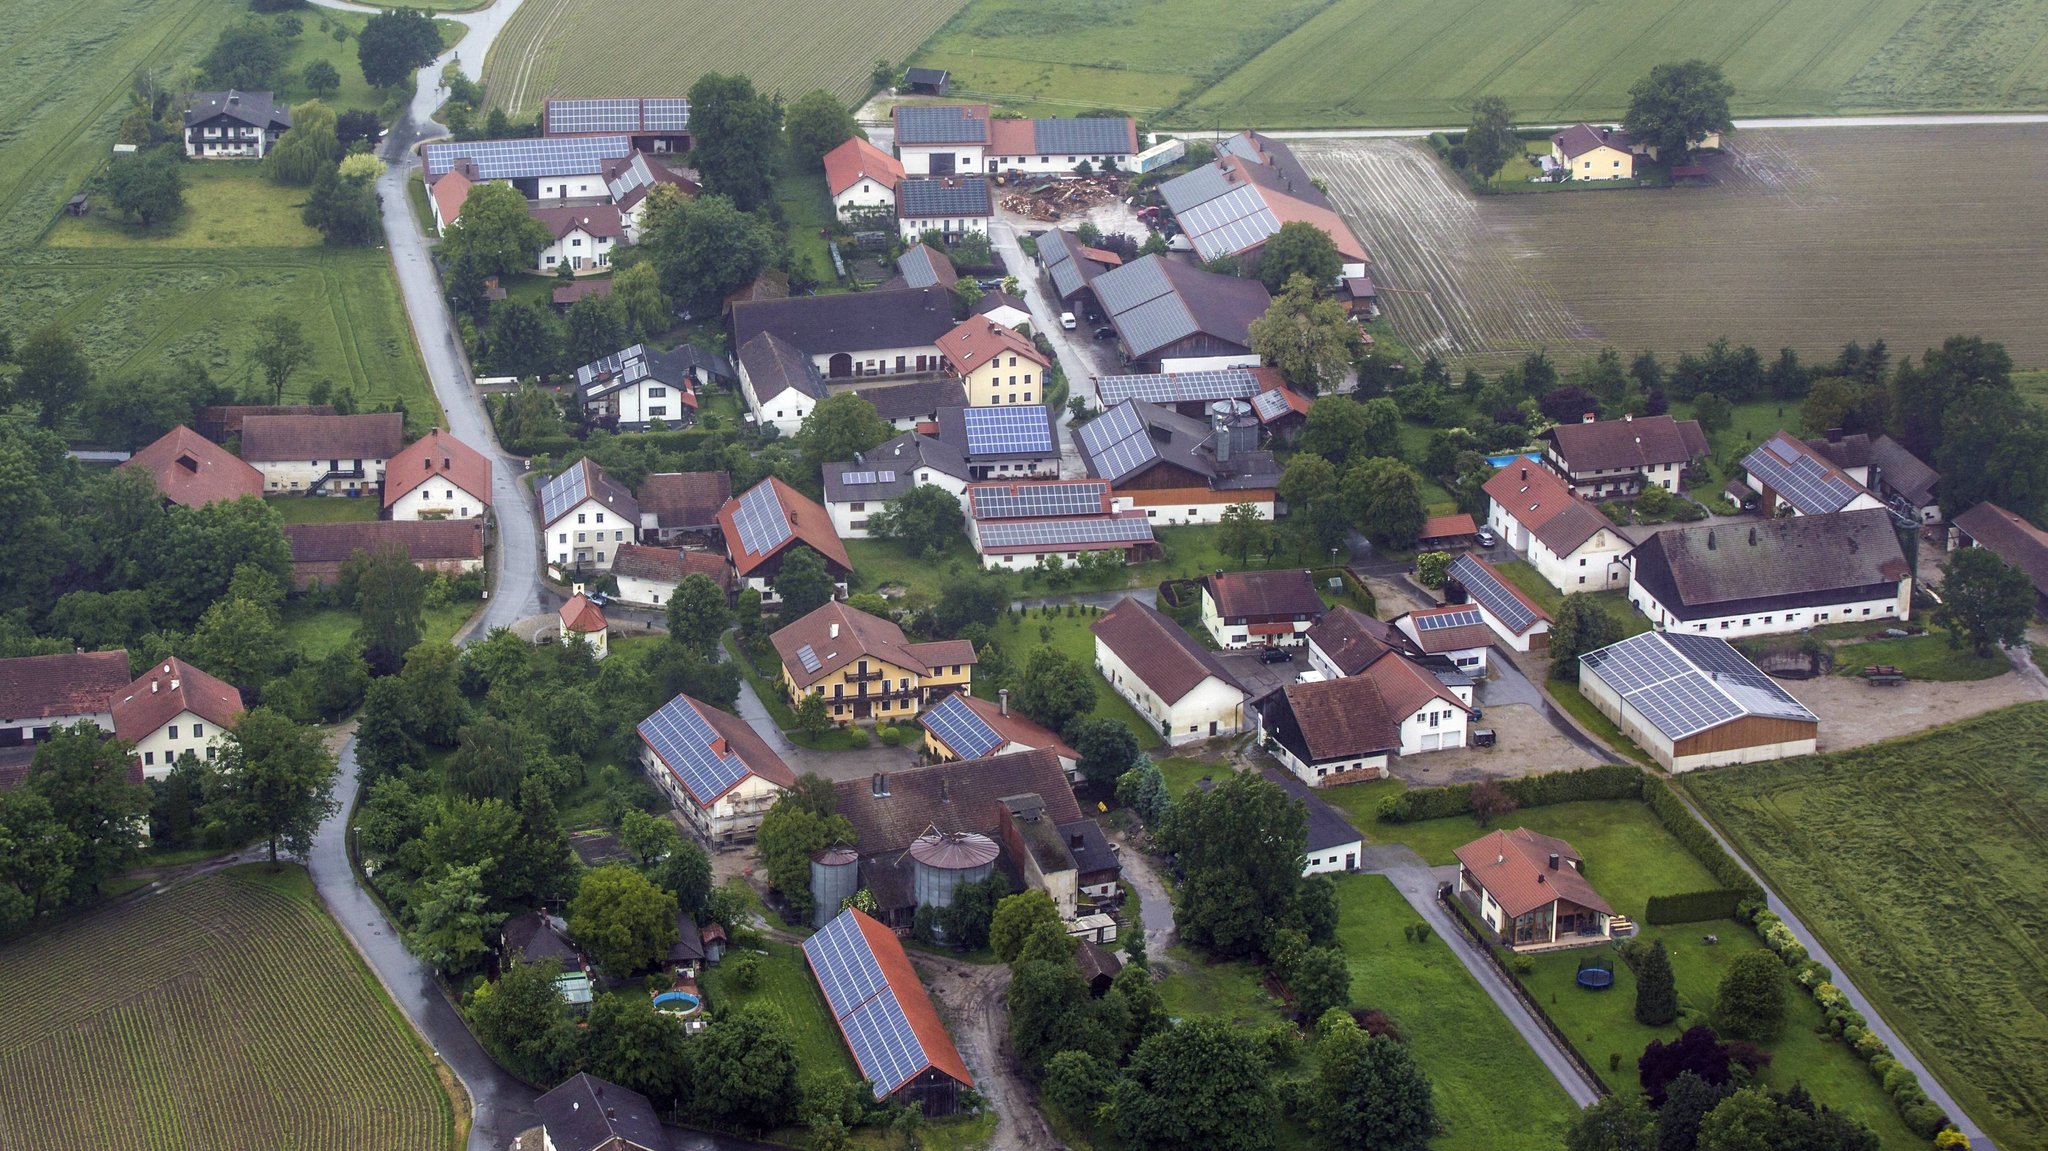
(1016,917)
(390,608)
(496,230)
(790,833)
(1368,1094)
(53,372)
(240,642)
(307,148)
(1582,625)
(522,1019)
(1311,340)
(698,614)
(146,186)
(281,349)
(804,582)
(1386,499)
(840,426)
(452,921)
(1984,600)
(1678,105)
(1617,1122)
(1108,748)
(745,1069)
(249,54)
(1751,1003)
(705,249)
(1698,1052)
(1202,1084)
(1056,688)
(925,518)
(321,79)
(738,134)
(647,309)
(276,781)
(1241,530)
(1240,847)
(83,776)
(343,202)
(816,123)
(394,44)
(629,1043)
(1490,140)
(597,328)
(623,922)
(1299,248)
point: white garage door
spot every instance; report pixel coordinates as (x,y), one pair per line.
(1432,741)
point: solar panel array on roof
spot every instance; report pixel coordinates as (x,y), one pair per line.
(631,364)
(1438,621)
(1180,387)
(1482,585)
(665,114)
(1270,405)
(860,479)
(762,522)
(1230,223)
(1155,324)
(1053,534)
(1007,430)
(920,124)
(1685,690)
(1805,482)
(959,728)
(946,196)
(1747,683)
(526,159)
(1025,501)
(1067,277)
(1197,187)
(847,970)
(808,656)
(564,491)
(1094,136)
(1117,443)
(866,1008)
(652,114)
(1133,284)
(684,740)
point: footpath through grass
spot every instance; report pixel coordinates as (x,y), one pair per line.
(1918,862)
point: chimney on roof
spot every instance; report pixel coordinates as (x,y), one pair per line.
(1500,859)
(611,1113)
(832,631)
(1553,861)
(878,784)
(1628,417)
(945,790)
(174,685)
(152,687)
(720,748)
(1834,435)
(1003,700)
(1525,473)
(1590,418)
(1540,877)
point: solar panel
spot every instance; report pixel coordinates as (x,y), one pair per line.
(1271,405)
(1127,287)
(1076,534)
(1439,621)
(883,1044)
(526,159)
(1179,387)
(1155,324)
(877,1029)
(847,970)
(683,739)
(1684,684)
(1805,482)
(949,196)
(1095,135)
(959,728)
(1007,430)
(565,491)
(665,114)
(808,656)
(761,520)
(1117,443)
(1230,223)
(1017,501)
(1485,587)
(921,124)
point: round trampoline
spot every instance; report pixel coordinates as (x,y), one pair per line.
(1596,974)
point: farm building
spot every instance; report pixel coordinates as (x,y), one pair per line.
(1346,641)
(885,1015)
(926,81)
(1175,317)
(649,575)
(1606,458)
(861,177)
(1159,669)
(1446,533)
(1051,147)
(1884,467)
(1777,575)
(950,205)
(1347,730)
(1194,394)
(1590,153)
(437,477)
(856,490)
(673,504)
(1004,309)
(1019,525)
(1333,844)
(224,422)
(40,692)
(649,123)
(322,455)
(722,776)
(233,124)
(1785,472)
(580,620)
(193,471)
(2014,540)
(585,515)
(632,388)
(1532,891)
(864,666)
(1455,631)
(963,727)
(906,406)
(582,237)
(1179,470)
(174,709)
(780,383)
(1566,539)
(1231,206)
(1002,443)
(629,181)
(1074,267)
(563,168)
(995,364)
(923,266)
(446,547)
(880,333)
(1516,620)
(760,527)
(1693,701)
(1264,608)
(588,1114)
(941,139)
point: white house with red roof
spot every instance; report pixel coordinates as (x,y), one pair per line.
(722,776)
(173,710)
(861,176)
(437,477)
(584,236)
(1531,891)
(760,527)
(650,573)
(582,621)
(1567,540)
(1268,608)
(1173,681)
(193,471)
(586,515)
(1348,730)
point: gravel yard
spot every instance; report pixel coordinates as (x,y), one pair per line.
(1853,713)
(1528,745)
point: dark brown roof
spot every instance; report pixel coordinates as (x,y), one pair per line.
(672,565)
(1157,651)
(588,1114)
(1443,639)
(1407,687)
(685,499)
(1582,138)
(219,423)
(1514,868)
(192,470)
(860,636)
(1612,445)
(599,220)
(1353,639)
(2011,538)
(1342,718)
(1535,496)
(437,456)
(1097,965)
(1903,472)
(921,400)
(1265,595)
(1850,451)
(1796,561)
(72,683)
(423,540)
(368,436)
(566,294)
(964,795)
(849,322)
(168,688)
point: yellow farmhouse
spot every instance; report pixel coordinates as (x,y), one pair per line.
(864,668)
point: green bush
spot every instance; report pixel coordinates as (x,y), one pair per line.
(1691,906)
(1695,837)
(1898,1076)
(1924,1119)
(1611,781)
(891,736)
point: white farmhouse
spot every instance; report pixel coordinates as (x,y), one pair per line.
(583,237)
(322,455)
(1347,730)
(1566,539)
(172,710)
(437,477)
(586,515)
(1260,609)
(941,139)
(860,177)
(1159,669)
(1777,575)
(721,775)
(860,488)
(40,692)
(780,383)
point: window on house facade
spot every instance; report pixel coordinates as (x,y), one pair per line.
(198,731)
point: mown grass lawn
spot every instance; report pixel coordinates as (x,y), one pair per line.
(1921,657)
(786,985)
(318,633)
(1490,1089)
(325,509)
(1019,636)
(1571,700)
(228,204)
(1524,576)
(1917,862)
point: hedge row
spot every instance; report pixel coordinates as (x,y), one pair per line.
(1689,831)
(1609,781)
(1693,906)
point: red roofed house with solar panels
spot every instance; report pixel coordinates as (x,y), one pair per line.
(761,525)
(1015,526)
(964,727)
(864,667)
(585,515)
(885,1015)
(1516,619)
(722,776)
(1456,631)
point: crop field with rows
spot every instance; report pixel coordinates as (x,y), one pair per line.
(571,47)
(227,1012)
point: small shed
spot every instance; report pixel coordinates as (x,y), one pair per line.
(926,81)
(77,205)
(1362,295)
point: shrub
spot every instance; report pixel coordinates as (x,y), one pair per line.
(1829,996)
(1813,973)
(1692,906)
(1751,1003)
(1898,1076)
(1522,965)
(745,971)
(1924,1119)
(1951,1139)
(891,736)
(1867,1044)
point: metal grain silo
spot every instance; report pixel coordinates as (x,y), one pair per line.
(943,860)
(835,876)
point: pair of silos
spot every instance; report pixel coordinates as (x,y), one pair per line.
(940,862)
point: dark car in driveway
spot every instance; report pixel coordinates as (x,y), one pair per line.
(1105,332)
(1275,655)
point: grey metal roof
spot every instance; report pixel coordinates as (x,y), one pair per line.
(1093,136)
(1685,684)
(1902,471)
(944,196)
(1131,437)
(1326,828)
(1198,187)
(906,456)
(922,266)
(1230,223)
(924,75)
(926,124)
(258,109)
(774,365)
(848,321)
(527,159)
(1133,284)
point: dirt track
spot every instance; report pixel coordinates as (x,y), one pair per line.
(971,996)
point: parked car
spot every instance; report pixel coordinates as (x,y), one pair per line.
(1105,332)
(1275,655)
(1068,321)
(989,285)
(1486,537)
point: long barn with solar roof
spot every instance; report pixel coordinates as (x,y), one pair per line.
(886,1016)
(1693,701)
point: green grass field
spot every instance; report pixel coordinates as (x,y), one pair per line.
(226,1012)
(315,634)
(1019,637)
(1918,863)
(787,986)
(1921,657)
(323,509)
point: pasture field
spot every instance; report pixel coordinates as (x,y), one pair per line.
(1806,238)
(1918,864)
(570,47)
(226,1012)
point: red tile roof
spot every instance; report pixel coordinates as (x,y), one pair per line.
(977,340)
(1514,867)
(913,998)
(858,160)
(424,541)
(1612,445)
(808,524)
(1447,527)
(685,499)
(741,740)
(671,565)
(438,456)
(1014,728)
(1536,497)
(1260,595)
(366,436)
(72,683)
(860,635)
(192,470)
(581,616)
(960,795)
(1406,687)
(1158,652)
(450,193)
(167,689)
(1343,718)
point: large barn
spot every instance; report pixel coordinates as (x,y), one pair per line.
(1693,701)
